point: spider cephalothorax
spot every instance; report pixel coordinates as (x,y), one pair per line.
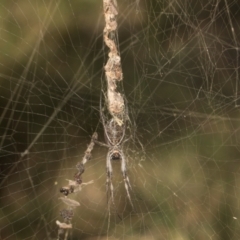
(115,155)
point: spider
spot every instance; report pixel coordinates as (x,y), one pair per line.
(114,138)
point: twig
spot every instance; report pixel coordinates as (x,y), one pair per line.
(73,187)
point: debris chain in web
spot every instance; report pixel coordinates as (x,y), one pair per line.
(113,68)
(73,186)
(114,100)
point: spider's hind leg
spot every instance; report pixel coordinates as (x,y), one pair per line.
(125,177)
(109,185)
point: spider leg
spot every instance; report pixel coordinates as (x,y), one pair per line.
(101,144)
(125,177)
(109,184)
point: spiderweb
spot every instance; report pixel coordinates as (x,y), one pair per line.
(180,63)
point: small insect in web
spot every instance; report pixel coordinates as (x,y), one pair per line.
(67,190)
(115,138)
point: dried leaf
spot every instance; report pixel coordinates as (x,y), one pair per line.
(70,202)
(63,225)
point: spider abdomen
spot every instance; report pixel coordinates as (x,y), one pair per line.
(114,133)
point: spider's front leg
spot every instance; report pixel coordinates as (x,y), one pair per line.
(109,184)
(125,176)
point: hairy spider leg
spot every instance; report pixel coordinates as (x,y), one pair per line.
(109,184)
(102,144)
(125,176)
